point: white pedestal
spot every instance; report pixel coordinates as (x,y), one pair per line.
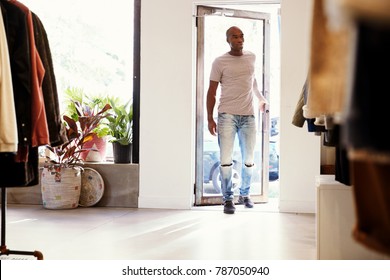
(335,221)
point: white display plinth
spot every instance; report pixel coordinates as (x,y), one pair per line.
(335,220)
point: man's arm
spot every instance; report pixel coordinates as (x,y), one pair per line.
(210,104)
(262,101)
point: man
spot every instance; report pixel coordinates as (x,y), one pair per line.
(235,71)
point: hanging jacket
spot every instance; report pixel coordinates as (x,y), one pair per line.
(39,130)
(57,133)
(8,125)
(18,46)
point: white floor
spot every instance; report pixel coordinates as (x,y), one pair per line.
(203,233)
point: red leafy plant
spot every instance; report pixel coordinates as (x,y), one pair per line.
(79,132)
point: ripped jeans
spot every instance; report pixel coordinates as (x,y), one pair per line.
(245,128)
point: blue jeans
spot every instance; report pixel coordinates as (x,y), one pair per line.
(245,128)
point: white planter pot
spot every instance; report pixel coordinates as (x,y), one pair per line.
(61,187)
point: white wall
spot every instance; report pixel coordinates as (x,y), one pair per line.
(299,150)
(167,127)
(167,105)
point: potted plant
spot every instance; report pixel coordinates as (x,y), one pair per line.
(61,175)
(89,103)
(120,123)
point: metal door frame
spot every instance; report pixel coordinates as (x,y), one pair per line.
(202,12)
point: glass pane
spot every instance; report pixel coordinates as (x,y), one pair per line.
(91,44)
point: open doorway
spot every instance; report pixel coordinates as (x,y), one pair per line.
(262,23)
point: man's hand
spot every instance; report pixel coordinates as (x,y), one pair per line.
(212,127)
(262,106)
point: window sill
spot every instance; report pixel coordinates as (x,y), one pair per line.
(121,186)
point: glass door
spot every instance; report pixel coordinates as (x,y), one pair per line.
(212,23)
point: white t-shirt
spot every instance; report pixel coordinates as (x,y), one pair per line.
(236,74)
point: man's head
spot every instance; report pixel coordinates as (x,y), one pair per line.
(235,38)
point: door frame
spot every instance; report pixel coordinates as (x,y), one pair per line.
(203,11)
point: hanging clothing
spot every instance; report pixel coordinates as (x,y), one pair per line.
(329,65)
(57,132)
(39,129)
(342,162)
(299,118)
(372,10)
(372,199)
(8,125)
(368,147)
(367,113)
(19,52)
(348,81)
(31,92)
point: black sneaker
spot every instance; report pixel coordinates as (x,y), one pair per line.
(246,201)
(228,207)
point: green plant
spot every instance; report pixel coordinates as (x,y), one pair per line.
(92,103)
(120,121)
(79,133)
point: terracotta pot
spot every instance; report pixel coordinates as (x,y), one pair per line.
(95,156)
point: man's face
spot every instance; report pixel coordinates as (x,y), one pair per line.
(236,39)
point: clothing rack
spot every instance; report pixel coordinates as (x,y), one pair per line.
(4,250)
